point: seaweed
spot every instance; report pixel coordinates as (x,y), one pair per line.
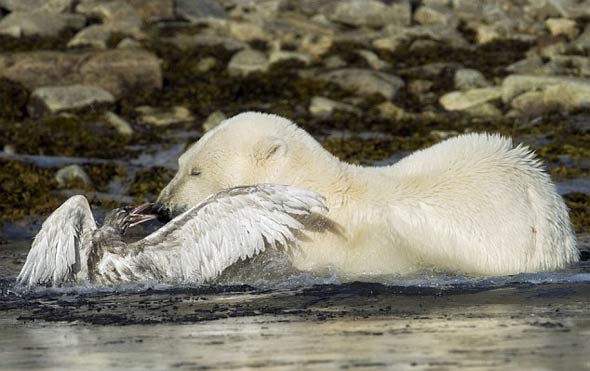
(26,190)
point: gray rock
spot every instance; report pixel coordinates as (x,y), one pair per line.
(185,42)
(9,149)
(198,10)
(370,13)
(419,86)
(95,36)
(122,126)
(164,116)
(20,24)
(468,10)
(484,110)
(29,6)
(51,100)
(564,92)
(333,62)
(118,71)
(316,45)
(436,15)
(282,55)
(213,120)
(514,85)
(116,15)
(129,43)
(467,78)
(247,31)
(152,11)
(569,96)
(365,81)
(532,101)
(572,9)
(462,100)
(72,173)
(527,65)
(582,43)
(431,70)
(323,108)
(373,60)
(390,111)
(246,62)
(562,26)
(569,65)
(395,36)
(206,64)
(256,11)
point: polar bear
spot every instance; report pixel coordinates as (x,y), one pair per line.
(473,204)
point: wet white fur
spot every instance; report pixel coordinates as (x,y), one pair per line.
(473,204)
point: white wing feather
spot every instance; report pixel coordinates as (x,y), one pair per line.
(231,225)
(58,251)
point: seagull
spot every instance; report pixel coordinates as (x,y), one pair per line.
(196,246)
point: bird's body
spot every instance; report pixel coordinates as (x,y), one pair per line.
(196,246)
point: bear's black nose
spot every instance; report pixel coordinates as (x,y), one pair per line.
(163,212)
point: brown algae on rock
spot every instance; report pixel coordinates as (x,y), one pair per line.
(26,190)
(148,183)
(65,135)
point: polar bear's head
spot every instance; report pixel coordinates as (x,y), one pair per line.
(249,148)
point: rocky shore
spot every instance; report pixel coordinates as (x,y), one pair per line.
(93,92)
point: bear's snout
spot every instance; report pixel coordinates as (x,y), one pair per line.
(162,211)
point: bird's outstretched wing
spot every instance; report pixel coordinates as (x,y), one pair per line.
(55,256)
(233,224)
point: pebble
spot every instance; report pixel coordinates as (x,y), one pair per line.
(282,55)
(50,100)
(19,24)
(197,11)
(365,81)
(435,15)
(247,31)
(213,120)
(72,173)
(118,71)
(323,108)
(582,43)
(462,100)
(562,26)
(95,36)
(117,122)
(390,111)
(466,78)
(164,116)
(372,13)
(206,64)
(246,62)
(44,6)
(373,60)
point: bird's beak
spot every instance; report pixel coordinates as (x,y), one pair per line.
(142,214)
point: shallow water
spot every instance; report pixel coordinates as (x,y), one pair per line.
(425,322)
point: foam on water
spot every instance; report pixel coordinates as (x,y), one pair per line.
(301,280)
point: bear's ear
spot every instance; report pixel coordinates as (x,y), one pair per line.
(270,147)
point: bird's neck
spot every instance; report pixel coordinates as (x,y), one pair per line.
(105,238)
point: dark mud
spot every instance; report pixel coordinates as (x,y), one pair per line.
(316,303)
(349,326)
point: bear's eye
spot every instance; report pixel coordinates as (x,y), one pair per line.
(195,172)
